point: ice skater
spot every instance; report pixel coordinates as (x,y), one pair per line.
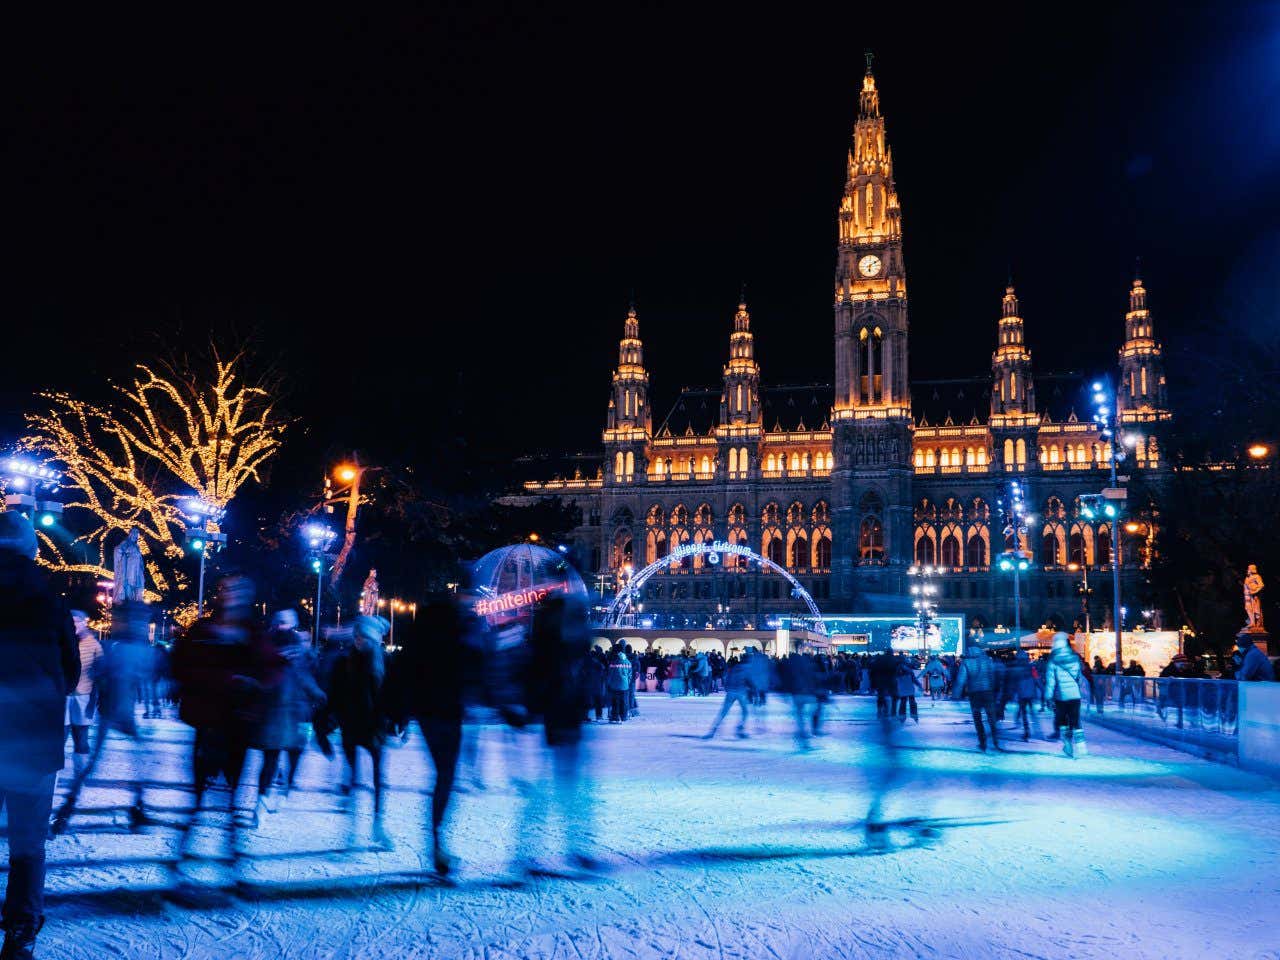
(1064,685)
(735,692)
(976,679)
(354,695)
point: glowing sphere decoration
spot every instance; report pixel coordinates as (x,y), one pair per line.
(508,583)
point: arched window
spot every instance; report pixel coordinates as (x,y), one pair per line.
(924,548)
(771,463)
(733,459)
(925,511)
(1071,454)
(631,464)
(795,461)
(804,460)
(919,457)
(1075,549)
(871,540)
(951,550)
(975,554)
(744,461)
(772,547)
(703,517)
(930,458)
(1153,452)
(1053,508)
(619,463)
(1104,544)
(871,528)
(822,549)
(799,558)
(1008,451)
(795,513)
(769,515)
(657,467)
(1049,548)
(1022,452)
(620,556)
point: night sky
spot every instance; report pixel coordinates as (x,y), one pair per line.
(432,226)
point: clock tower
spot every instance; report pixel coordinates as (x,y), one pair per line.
(872,412)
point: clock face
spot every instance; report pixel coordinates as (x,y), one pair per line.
(869,265)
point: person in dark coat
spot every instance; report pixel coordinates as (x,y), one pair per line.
(884,681)
(976,678)
(1020,688)
(288,694)
(354,694)
(906,683)
(427,685)
(41,660)
(559,642)
(1254,664)
(213,667)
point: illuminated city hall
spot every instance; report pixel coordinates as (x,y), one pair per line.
(847,486)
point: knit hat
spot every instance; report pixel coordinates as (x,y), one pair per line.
(17,534)
(1060,640)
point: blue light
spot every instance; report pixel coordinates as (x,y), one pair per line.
(1097,386)
(197,545)
(562,548)
(315,565)
(1006,565)
(46,519)
(1109,510)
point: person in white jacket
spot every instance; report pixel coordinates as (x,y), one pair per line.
(1064,684)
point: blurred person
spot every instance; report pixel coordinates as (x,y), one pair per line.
(428,684)
(1254,664)
(121,675)
(637,677)
(736,681)
(354,695)
(80,708)
(41,669)
(884,681)
(1064,684)
(559,640)
(937,674)
(288,694)
(800,682)
(976,679)
(618,683)
(1020,688)
(1173,692)
(907,682)
(595,669)
(212,666)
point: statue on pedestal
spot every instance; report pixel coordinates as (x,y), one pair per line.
(129,576)
(369,595)
(1253,587)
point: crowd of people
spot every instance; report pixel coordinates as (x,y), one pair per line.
(243,685)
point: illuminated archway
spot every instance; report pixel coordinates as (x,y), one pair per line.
(711,553)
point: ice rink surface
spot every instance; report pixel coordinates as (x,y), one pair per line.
(728,848)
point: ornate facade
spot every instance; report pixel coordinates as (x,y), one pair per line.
(848,485)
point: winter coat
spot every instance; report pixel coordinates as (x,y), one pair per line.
(618,677)
(41,666)
(287,692)
(559,643)
(1255,666)
(355,694)
(212,665)
(977,674)
(1064,677)
(907,682)
(935,669)
(883,673)
(799,677)
(737,677)
(1019,681)
(90,655)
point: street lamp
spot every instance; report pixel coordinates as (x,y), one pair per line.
(922,595)
(203,521)
(318,537)
(1084,590)
(1015,560)
(1107,416)
(1259,451)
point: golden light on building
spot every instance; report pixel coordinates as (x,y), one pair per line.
(1259,451)
(533,538)
(1132,526)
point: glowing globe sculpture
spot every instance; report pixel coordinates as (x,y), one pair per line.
(508,583)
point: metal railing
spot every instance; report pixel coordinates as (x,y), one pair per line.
(1193,713)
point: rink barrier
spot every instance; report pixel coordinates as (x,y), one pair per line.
(1201,717)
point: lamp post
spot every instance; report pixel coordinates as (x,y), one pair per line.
(922,594)
(318,537)
(203,520)
(1108,419)
(1084,590)
(1015,559)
